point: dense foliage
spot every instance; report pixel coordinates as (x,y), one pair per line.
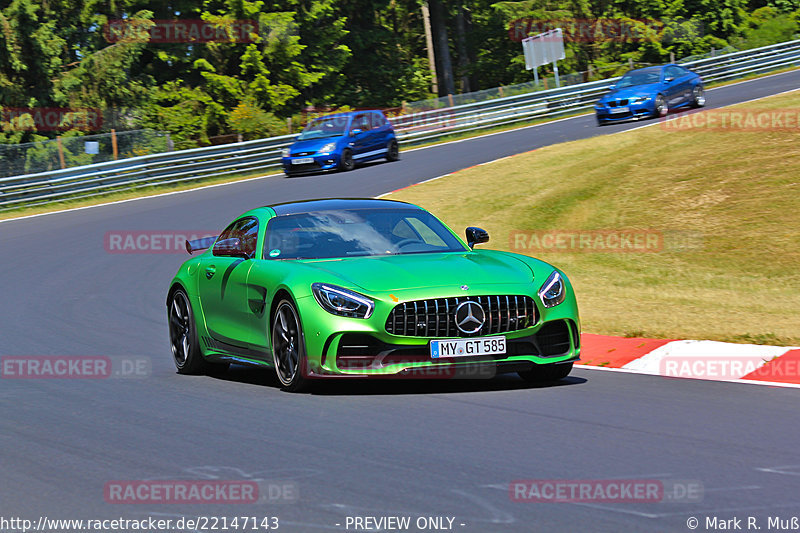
(329,53)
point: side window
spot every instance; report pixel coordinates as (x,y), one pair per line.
(229,231)
(249,236)
(244,229)
(378,120)
(362,122)
(673,72)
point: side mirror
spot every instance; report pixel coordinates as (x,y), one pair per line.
(355,132)
(476,236)
(230,248)
(668,79)
(199,244)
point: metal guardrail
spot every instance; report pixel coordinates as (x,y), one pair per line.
(264,154)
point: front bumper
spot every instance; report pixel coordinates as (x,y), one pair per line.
(318,162)
(621,113)
(342,347)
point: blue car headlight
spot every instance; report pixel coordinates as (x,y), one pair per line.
(285,152)
(330,147)
(553,291)
(342,302)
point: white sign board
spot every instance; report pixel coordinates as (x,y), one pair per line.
(547,47)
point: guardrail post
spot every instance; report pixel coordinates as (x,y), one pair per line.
(60,151)
(114,143)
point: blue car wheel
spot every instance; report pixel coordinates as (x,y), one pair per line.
(346,160)
(392,151)
(698,96)
(660,107)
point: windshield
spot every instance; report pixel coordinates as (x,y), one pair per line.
(357,232)
(325,127)
(638,78)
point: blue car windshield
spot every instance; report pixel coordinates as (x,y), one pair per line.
(325,127)
(638,78)
(357,232)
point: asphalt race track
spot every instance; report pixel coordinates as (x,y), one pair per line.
(400,448)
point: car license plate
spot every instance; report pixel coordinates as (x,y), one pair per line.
(468,347)
(303,161)
(616,110)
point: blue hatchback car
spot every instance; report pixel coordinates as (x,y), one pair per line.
(650,92)
(340,141)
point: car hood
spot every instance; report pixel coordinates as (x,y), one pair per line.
(412,271)
(634,90)
(313,145)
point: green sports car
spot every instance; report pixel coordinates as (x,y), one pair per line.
(364,287)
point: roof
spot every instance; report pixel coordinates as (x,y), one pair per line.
(647,69)
(332,204)
(348,113)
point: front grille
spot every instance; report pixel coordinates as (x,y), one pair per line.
(436,318)
(301,154)
(307,167)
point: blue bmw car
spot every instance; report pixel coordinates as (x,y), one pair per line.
(340,141)
(650,92)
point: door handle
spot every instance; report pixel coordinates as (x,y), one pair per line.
(210,271)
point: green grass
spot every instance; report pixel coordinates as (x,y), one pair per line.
(736,194)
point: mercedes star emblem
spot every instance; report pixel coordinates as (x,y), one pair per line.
(469,317)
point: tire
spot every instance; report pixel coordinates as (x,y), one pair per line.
(546,373)
(288,348)
(183,336)
(660,108)
(392,151)
(600,122)
(346,160)
(698,96)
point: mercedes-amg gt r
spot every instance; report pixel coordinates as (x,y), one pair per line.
(364,287)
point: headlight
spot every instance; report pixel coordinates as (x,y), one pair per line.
(342,302)
(552,292)
(285,152)
(328,147)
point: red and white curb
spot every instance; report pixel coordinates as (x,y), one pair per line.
(694,359)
